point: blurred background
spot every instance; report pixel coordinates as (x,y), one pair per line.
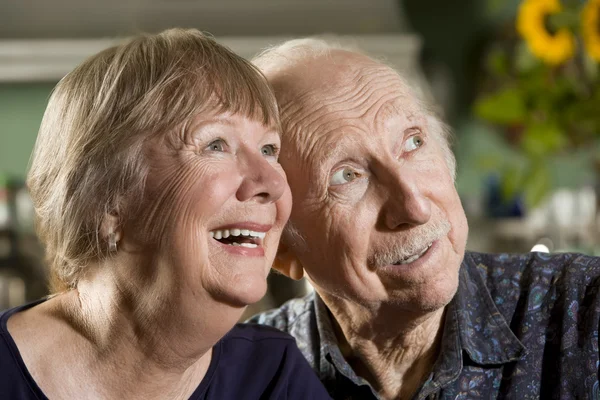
(517,81)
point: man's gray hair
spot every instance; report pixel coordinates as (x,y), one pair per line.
(295,51)
(291,53)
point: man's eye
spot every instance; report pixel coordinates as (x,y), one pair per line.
(270,150)
(216,145)
(342,176)
(413,143)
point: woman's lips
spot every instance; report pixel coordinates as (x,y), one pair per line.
(242,238)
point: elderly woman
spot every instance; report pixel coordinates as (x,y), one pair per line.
(160,201)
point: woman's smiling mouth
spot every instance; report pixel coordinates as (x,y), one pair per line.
(238,237)
(242,237)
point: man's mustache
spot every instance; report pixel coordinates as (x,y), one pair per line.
(410,243)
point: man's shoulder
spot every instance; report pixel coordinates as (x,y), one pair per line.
(529,268)
(519,283)
(291,313)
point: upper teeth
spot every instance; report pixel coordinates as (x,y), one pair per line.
(225,233)
(416,256)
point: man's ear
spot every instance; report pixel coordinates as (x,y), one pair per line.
(287,263)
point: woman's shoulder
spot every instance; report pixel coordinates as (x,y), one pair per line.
(15,380)
(252,332)
(257,361)
(249,341)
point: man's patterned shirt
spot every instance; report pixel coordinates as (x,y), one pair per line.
(519,327)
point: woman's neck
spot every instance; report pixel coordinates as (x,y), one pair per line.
(149,312)
(140,336)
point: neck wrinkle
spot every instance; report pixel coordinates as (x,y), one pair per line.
(142,336)
(393,349)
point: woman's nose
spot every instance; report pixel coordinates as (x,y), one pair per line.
(261,180)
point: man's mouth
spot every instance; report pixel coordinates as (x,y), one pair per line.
(238,237)
(414,257)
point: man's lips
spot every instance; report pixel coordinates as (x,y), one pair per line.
(414,257)
(415,262)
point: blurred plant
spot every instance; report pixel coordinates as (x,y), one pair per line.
(542,88)
(552,47)
(590,28)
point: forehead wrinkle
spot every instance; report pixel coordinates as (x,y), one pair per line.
(300,116)
(311,135)
(392,110)
(355,92)
(342,145)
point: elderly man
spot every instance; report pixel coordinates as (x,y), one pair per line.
(400,310)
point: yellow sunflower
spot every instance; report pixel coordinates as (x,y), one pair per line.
(552,48)
(590,29)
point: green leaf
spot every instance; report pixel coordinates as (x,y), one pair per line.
(590,66)
(497,63)
(512,178)
(525,60)
(506,107)
(489,162)
(536,184)
(568,18)
(495,6)
(542,139)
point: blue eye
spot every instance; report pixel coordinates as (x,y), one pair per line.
(216,145)
(413,143)
(270,150)
(343,176)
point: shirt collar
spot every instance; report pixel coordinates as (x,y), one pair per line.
(484,333)
(331,354)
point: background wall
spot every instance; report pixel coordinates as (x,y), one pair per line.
(21,108)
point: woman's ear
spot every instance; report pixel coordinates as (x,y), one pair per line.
(110,227)
(287,263)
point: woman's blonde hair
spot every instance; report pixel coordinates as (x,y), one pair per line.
(88,159)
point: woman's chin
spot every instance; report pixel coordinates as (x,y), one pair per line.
(247,292)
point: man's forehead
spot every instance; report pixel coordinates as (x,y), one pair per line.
(338,92)
(341,133)
(368,100)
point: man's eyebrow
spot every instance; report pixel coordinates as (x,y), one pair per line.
(334,150)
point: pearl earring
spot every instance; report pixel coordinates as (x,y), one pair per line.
(112,241)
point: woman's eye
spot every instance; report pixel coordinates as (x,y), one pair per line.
(413,143)
(270,150)
(216,145)
(342,176)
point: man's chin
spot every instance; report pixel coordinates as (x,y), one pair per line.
(428,298)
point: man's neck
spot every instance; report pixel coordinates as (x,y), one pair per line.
(393,349)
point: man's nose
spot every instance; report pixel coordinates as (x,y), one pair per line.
(406,205)
(261,181)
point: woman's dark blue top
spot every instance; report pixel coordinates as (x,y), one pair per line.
(249,362)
